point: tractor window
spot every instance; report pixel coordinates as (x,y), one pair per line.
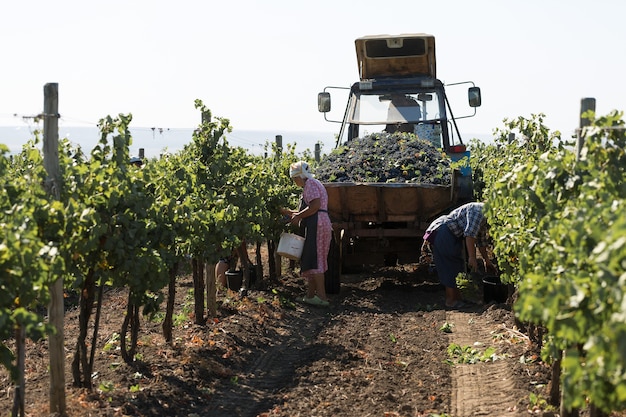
(395,108)
(378,48)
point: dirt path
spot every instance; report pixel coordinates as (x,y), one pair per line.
(381,352)
(270,367)
(378,350)
(480,389)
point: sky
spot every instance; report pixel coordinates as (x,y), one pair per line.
(260,64)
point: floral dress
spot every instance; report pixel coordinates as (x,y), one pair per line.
(313,189)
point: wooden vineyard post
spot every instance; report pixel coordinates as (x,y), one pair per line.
(586,104)
(55,308)
(279,145)
(211,290)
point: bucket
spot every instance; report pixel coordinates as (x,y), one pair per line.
(290,246)
(234,279)
(494,289)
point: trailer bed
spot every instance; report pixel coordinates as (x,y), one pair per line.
(386,202)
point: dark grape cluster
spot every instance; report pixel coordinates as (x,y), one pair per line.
(386,157)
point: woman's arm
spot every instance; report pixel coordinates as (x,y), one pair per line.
(287,212)
(311,209)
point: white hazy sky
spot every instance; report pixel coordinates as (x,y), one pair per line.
(262,63)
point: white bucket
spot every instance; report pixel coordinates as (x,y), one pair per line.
(290,246)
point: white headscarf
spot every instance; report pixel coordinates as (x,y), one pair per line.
(300,169)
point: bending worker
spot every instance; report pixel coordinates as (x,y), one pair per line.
(449,236)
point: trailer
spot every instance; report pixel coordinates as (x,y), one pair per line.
(382,223)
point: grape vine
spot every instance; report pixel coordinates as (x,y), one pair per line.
(559,231)
(121,226)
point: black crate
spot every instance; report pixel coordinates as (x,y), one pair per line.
(494,290)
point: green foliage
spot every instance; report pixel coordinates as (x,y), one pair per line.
(106,387)
(112,343)
(470,355)
(285,301)
(124,226)
(557,220)
(446,327)
(30,228)
(537,402)
(232,194)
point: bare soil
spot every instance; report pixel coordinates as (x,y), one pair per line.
(380,349)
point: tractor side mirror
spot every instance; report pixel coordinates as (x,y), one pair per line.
(323,102)
(473,96)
